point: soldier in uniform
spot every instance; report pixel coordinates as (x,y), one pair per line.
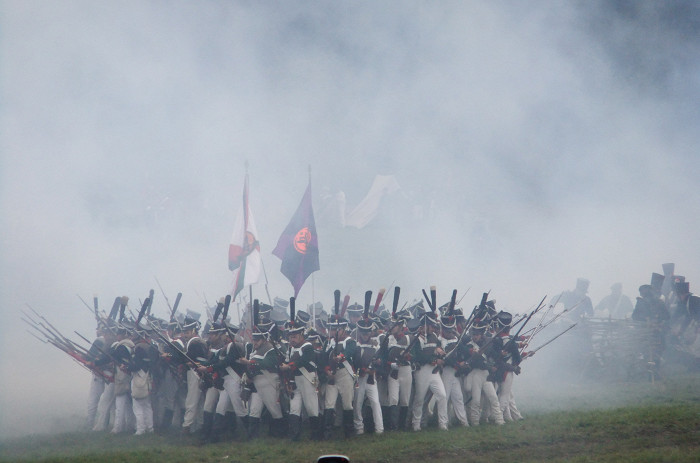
(197,350)
(340,351)
(98,383)
(365,365)
(263,368)
(227,365)
(455,355)
(174,386)
(615,305)
(478,378)
(400,377)
(577,300)
(122,350)
(508,364)
(141,365)
(301,364)
(212,382)
(427,355)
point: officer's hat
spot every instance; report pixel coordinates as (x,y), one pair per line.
(657,280)
(365,325)
(336,322)
(681,288)
(504,318)
(190,323)
(302,317)
(355,310)
(668,268)
(294,327)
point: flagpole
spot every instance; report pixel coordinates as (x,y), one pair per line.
(266,281)
(313,301)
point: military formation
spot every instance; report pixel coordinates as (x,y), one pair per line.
(359,369)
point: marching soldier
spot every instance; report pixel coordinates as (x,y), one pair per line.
(478,382)
(400,377)
(262,367)
(197,350)
(211,380)
(427,356)
(228,366)
(301,364)
(366,382)
(508,365)
(340,351)
(455,352)
(122,351)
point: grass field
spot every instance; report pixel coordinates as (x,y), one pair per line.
(659,422)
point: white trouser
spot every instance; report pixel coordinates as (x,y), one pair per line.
(370,391)
(192,401)
(453,389)
(104,408)
(232,387)
(97,387)
(507,400)
(344,385)
(211,398)
(426,381)
(143,411)
(306,395)
(400,388)
(123,413)
(268,386)
(477,380)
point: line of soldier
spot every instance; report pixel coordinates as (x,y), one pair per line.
(371,371)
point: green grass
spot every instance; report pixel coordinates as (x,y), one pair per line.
(663,424)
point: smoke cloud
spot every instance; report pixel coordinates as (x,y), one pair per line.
(533,143)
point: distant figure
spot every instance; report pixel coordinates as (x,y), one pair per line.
(577,300)
(615,305)
(649,307)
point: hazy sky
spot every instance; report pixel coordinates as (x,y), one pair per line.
(534,143)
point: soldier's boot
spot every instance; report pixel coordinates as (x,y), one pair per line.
(166,422)
(230,425)
(278,428)
(348,424)
(253,427)
(207,425)
(368,419)
(328,423)
(219,428)
(386,418)
(392,418)
(403,415)
(316,430)
(294,424)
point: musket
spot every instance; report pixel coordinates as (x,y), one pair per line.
(555,337)
(465,293)
(150,302)
(177,303)
(97,317)
(55,332)
(102,351)
(174,347)
(115,308)
(167,301)
(346,301)
(333,364)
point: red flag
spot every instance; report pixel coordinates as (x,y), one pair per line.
(244,251)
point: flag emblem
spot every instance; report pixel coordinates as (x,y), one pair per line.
(302,240)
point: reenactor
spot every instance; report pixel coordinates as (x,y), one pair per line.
(400,377)
(340,351)
(197,350)
(365,363)
(427,356)
(455,352)
(477,380)
(301,365)
(263,371)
